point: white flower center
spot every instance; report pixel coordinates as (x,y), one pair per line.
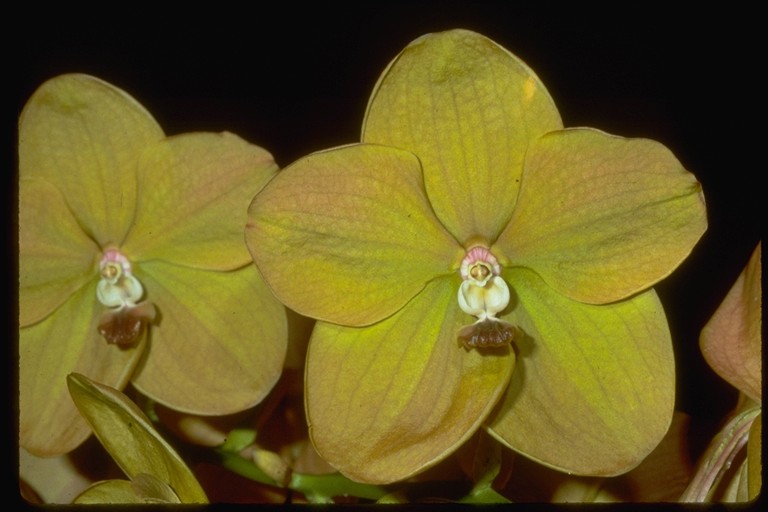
(119,290)
(484,294)
(117,287)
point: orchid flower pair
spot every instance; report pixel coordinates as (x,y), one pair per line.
(470,263)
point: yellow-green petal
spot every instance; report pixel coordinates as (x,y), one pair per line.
(468,109)
(594,387)
(66,341)
(601,217)
(220,342)
(85,136)
(132,441)
(56,258)
(347,235)
(731,342)
(193,194)
(392,399)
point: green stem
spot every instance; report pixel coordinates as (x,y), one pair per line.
(484,495)
(316,488)
(333,484)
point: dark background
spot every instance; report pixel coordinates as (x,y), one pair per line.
(295,80)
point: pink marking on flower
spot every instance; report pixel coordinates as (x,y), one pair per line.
(115,256)
(479,254)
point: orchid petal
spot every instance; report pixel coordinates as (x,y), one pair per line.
(55,257)
(220,342)
(600,217)
(347,235)
(731,342)
(593,391)
(132,441)
(394,398)
(194,191)
(66,341)
(468,108)
(85,136)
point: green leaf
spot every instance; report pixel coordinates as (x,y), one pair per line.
(130,439)
(143,489)
(153,490)
(754,458)
(718,458)
(109,492)
(593,392)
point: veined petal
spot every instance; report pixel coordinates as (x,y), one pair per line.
(220,342)
(394,398)
(468,109)
(85,136)
(347,235)
(601,217)
(66,341)
(593,391)
(55,257)
(129,437)
(731,342)
(194,191)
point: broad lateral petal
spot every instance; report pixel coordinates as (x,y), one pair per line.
(65,342)
(394,398)
(594,388)
(220,342)
(601,217)
(194,191)
(85,137)
(132,441)
(347,235)
(468,109)
(731,342)
(55,257)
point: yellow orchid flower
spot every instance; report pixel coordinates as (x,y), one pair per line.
(131,243)
(468,235)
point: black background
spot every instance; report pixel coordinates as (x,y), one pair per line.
(295,79)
